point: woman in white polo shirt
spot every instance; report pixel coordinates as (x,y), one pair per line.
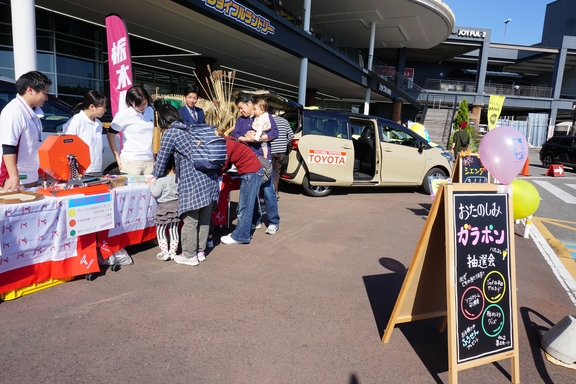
(86,125)
(137,126)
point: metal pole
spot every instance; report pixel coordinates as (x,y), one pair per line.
(506,26)
(370,63)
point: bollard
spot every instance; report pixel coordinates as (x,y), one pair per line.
(528,223)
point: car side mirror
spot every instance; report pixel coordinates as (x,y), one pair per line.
(421,147)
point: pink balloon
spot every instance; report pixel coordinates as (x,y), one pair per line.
(503,151)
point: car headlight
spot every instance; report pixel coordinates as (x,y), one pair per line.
(447,155)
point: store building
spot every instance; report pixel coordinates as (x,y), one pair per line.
(394,58)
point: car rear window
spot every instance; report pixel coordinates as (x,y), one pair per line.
(325,126)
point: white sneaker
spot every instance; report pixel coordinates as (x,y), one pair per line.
(256,226)
(271,229)
(228,240)
(163,256)
(201,256)
(181,259)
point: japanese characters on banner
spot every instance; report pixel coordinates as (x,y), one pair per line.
(494,108)
(483,293)
(119,61)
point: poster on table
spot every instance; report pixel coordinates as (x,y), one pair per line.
(89,214)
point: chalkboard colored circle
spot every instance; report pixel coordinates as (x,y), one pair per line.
(494,286)
(71,212)
(493,320)
(72,233)
(72,223)
(472,303)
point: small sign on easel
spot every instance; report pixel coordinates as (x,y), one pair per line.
(469,169)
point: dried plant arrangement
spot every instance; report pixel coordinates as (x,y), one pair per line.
(220,110)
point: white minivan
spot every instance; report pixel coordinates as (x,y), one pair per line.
(335,149)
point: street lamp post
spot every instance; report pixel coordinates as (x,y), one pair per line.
(505,26)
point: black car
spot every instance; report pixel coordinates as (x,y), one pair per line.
(559,150)
(55,110)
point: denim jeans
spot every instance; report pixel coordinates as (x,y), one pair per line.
(271,204)
(249,187)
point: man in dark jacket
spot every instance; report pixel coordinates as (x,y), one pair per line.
(460,140)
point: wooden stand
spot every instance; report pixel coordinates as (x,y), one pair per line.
(463,269)
(469,169)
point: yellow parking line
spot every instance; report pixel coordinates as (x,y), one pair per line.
(558,247)
(557,223)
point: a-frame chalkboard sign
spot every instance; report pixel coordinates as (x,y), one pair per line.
(469,169)
(463,269)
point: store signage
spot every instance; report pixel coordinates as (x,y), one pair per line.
(120,61)
(384,89)
(242,15)
(470,33)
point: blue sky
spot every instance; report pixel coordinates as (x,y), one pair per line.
(527,18)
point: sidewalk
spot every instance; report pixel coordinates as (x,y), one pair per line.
(307,305)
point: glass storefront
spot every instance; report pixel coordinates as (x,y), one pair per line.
(73,55)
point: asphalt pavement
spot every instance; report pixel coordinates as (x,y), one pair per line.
(306,305)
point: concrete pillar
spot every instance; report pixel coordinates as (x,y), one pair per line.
(302,81)
(24,36)
(482,64)
(303,78)
(201,63)
(397,110)
(559,67)
(400,66)
(477,112)
(310,97)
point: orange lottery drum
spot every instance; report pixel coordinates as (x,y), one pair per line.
(54,151)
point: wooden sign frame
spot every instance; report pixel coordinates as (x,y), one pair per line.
(460,170)
(429,289)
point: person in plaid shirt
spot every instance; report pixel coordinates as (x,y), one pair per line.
(197,190)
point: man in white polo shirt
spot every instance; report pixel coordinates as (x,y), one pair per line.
(21,132)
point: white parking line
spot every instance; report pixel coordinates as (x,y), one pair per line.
(572,186)
(559,193)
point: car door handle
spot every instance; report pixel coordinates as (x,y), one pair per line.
(346,147)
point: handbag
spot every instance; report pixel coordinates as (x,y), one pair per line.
(266,167)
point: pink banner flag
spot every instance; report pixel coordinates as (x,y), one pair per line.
(119,61)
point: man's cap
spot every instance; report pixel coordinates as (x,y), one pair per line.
(463,124)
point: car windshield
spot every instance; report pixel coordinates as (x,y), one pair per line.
(397,136)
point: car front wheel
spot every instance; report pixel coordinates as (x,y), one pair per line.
(315,190)
(547,160)
(435,173)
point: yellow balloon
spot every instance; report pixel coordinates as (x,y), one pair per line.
(420,130)
(525,198)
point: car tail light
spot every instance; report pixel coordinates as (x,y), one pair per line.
(295,143)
